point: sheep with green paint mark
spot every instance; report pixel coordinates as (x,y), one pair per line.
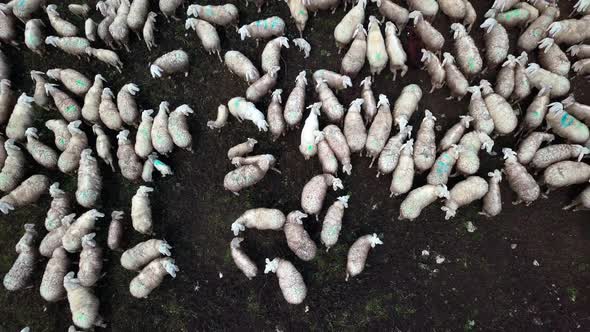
(242,109)
(308,146)
(298,13)
(52,286)
(91,261)
(466,51)
(108,111)
(529,39)
(376,50)
(43,154)
(332,223)
(578,110)
(59,208)
(565,125)
(330,104)
(67,106)
(443,166)
(72,80)
(358,252)
(34,36)
(85,224)
(92,100)
(290,280)
(297,237)
(389,156)
(273,26)
(420,198)
(554,153)
(520,180)
(69,159)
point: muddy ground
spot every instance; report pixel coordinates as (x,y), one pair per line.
(487,281)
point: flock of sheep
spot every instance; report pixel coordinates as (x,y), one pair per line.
(365,127)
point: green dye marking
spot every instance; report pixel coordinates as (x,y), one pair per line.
(302,13)
(536,114)
(309,147)
(61,141)
(81,83)
(471,63)
(71,109)
(536,32)
(378,56)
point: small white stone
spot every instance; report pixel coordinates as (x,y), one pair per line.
(513,246)
(470,227)
(439,259)
(220,275)
(535,263)
(306,308)
(425,253)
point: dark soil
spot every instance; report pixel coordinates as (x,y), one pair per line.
(487,282)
